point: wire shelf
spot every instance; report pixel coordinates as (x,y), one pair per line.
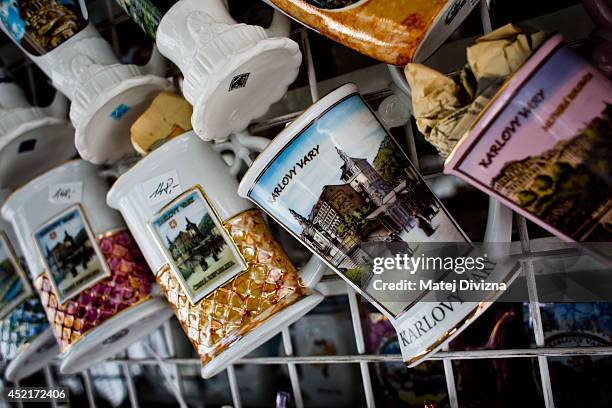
(170,366)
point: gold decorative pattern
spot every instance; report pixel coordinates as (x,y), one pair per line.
(130,284)
(269,285)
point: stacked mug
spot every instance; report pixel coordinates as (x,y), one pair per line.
(337,181)
(26,342)
(93,283)
(230,283)
(232,72)
(32,140)
(106,95)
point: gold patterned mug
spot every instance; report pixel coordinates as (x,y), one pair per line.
(393,31)
(229,281)
(93,282)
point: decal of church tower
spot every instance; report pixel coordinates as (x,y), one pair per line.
(364,209)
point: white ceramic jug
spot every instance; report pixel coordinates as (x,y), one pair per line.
(233,72)
(32,139)
(106,95)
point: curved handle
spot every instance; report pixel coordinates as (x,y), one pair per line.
(157,64)
(395,110)
(399,79)
(119,168)
(241,151)
(59,107)
(312,272)
(242,145)
(280,25)
(600,11)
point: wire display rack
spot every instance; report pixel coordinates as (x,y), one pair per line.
(169,365)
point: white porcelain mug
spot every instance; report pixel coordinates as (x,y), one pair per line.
(337,181)
(92,280)
(106,95)
(233,72)
(26,341)
(32,139)
(230,299)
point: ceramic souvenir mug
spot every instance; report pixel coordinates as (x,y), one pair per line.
(232,72)
(26,341)
(393,31)
(230,283)
(336,180)
(92,280)
(32,139)
(106,95)
(542,146)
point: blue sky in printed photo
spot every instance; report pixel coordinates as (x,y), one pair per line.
(70,222)
(195,211)
(350,126)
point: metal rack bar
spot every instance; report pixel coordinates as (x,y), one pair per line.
(293,374)
(19,402)
(234,389)
(131,388)
(534,312)
(310,68)
(113,26)
(397,358)
(360,341)
(50,383)
(451,386)
(89,391)
(163,366)
(176,371)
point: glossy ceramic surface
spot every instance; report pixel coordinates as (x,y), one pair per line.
(130,283)
(391,31)
(233,72)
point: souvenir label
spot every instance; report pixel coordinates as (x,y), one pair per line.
(14,285)
(352,196)
(198,248)
(162,188)
(66,193)
(546,152)
(70,253)
(43,25)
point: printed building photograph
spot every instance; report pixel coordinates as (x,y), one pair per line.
(357,196)
(13,287)
(558,185)
(42,25)
(70,253)
(197,247)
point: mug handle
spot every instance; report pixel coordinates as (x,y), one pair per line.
(59,107)
(280,25)
(243,145)
(157,64)
(600,11)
